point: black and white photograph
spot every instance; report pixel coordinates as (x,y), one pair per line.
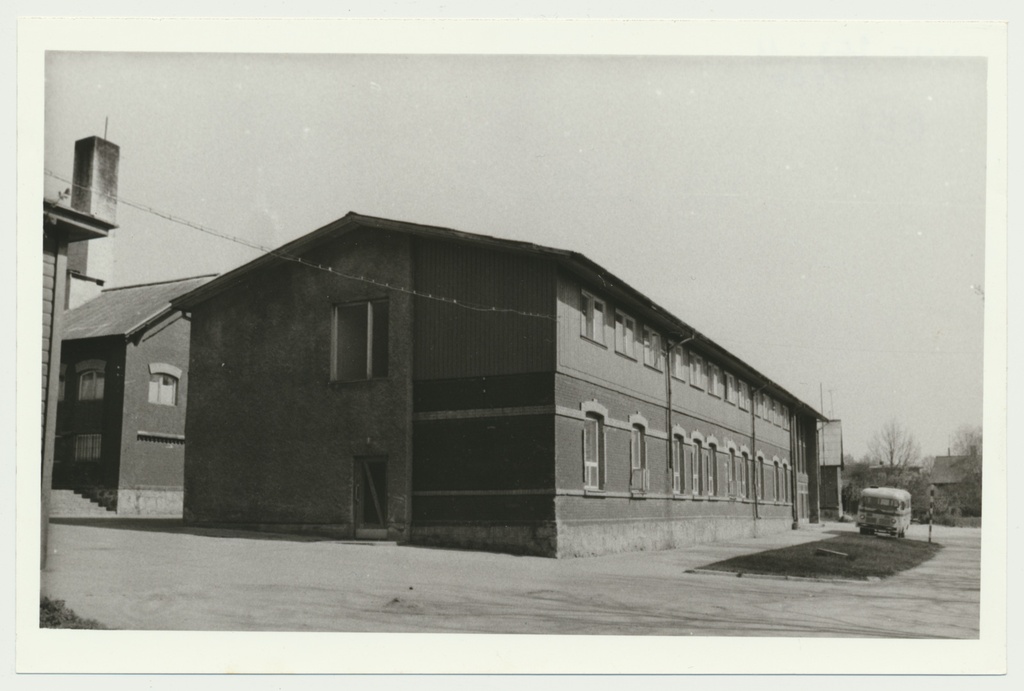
(604,335)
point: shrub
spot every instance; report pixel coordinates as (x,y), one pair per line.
(53,614)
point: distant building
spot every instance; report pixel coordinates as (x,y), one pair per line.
(949,476)
(123,391)
(86,212)
(831,461)
(381,379)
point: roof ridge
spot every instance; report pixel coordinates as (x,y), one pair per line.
(158,283)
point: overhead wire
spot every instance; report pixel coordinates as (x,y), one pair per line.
(305,262)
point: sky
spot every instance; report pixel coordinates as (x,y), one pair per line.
(822,218)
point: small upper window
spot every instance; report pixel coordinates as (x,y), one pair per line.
(592,312)
(653,356)
(714,380)
(697,373)
(679,363)
(625,335)
(744,395)
(360,341)
(785,416)
(731,390)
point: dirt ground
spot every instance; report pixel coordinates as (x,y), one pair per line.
(158,575)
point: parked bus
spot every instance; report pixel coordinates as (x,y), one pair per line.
(884,510)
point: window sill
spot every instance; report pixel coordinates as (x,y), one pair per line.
(637,494)
(354,382)
(659,370)
(588,339)
(593,492)
(625,356)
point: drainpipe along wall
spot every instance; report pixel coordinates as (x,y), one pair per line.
(669,347)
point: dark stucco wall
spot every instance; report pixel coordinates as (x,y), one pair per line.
(146,464)
(270,438)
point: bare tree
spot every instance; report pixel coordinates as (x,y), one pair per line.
(894,446)
(967,441)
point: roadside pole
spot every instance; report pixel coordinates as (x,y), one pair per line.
(931,510)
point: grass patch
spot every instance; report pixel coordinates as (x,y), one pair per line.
(53,614)
(869,557)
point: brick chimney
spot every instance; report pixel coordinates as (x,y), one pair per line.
(95,180)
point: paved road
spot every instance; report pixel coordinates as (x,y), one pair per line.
(157,575)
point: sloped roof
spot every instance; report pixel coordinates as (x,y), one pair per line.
(574,261)
(948,470)
(127,310)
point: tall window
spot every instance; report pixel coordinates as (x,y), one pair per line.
(678,444)
(699,468)
(747,491)
(760,478)
(714,483)
(785,416)
(593,452)
(592,312)
(88,447)
(733,474)
(744,395)
(679,363)
(697,371)
(360,341)
(63,381)
(90,385)
(731,390)
(638,459)
(714,380)
(653,356)
(625,335)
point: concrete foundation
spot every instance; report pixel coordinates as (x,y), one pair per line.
(538,539)
(584,539)
(149,502)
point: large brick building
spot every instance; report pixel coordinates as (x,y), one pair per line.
(122,400)
(377,378)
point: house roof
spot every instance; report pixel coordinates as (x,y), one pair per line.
(573,261)
(948,470)
(128,310)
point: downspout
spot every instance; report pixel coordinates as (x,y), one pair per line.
(794,452)
(753,448)
(669,347)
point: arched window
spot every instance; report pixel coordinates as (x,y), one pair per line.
(760,477)
(90,380)
(776,483)
(745,475)
(638,458)
(699,467)
(714,481)
(678,444)
(163,383)
(733,475)
(593,451)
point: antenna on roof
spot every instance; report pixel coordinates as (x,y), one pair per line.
(106,121)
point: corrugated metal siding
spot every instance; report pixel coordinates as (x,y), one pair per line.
(453,341)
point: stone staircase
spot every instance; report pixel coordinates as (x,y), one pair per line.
(66,503)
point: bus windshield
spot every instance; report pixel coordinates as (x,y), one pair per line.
(879,503)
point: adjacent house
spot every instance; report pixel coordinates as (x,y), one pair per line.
(120,431)
(957,484)
(830,461)
(86,212)
(381,379)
